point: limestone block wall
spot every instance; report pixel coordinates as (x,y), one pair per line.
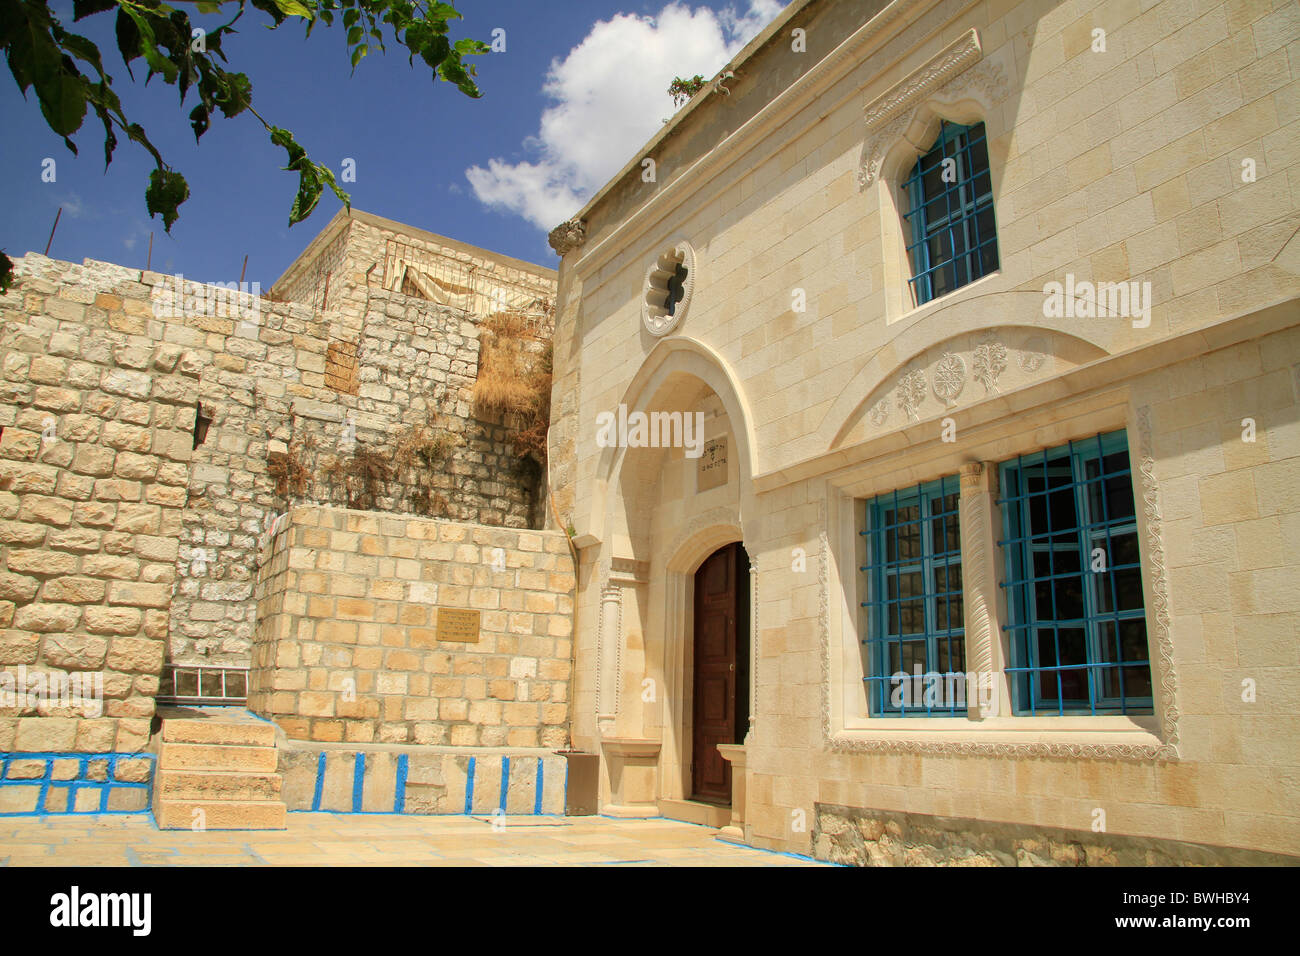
(426,781)
(270,381)
(1122,166)
(346,646)
(94,457)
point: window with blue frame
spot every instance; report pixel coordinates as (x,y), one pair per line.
(914,603)
(952,236)
(1076,616)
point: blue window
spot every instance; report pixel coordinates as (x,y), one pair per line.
(949,193)
(1077,623)
(914,602)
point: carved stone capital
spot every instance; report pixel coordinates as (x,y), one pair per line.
(567,236)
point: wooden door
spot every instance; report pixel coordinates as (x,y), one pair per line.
(719,590)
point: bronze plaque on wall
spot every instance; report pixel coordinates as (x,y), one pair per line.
(711,470)
(458,625)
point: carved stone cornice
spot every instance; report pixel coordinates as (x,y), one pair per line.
(962,53)
(950,75)
(567,236)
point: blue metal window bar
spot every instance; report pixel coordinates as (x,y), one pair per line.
(1077,620)
(914,602)
(953,237)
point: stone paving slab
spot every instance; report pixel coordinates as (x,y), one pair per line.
(330,839)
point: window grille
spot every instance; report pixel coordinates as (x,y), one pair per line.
(953,238)
(1077,621)
(915,615)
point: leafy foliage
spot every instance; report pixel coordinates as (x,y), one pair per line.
(67,73)
(682,90)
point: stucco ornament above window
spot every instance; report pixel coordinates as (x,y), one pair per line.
(669,284)
(957,72)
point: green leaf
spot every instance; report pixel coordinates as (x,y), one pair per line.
(6,273)
(84,8)
(63,102)
(234,94)
(354,35)
(358,54)
(167,190)
(293,8)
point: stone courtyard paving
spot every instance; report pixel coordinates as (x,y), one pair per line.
(329,839)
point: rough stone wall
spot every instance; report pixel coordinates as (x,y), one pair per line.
(347,645)
(259,370)
(93,471)
(861,837)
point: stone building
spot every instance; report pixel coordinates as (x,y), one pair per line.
(921,483)
(212,496)
(988,313)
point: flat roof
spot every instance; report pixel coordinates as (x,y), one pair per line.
(343,216)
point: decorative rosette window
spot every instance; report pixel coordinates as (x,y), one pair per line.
(668,287)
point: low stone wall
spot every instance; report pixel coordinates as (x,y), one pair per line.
(424,781)
(347,646)
(862,837)
(42,783)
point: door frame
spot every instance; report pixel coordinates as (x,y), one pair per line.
(676,754)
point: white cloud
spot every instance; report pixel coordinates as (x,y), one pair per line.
(609,97)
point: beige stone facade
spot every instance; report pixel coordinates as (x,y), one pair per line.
(1155,143)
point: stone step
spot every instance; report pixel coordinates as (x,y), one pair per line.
(178,756)
(216,785)
(220,814)
(249,733)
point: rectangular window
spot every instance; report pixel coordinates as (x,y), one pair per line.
(916,635)
(953,239)
(1077,621)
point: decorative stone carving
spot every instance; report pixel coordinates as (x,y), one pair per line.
(911,393)
(990,362)
(1155,562)
(949,377)
(975,568)
(609,651)
(659,286)
(880,412)
(954,74)
(1032,354)
(957,56)
(567,236)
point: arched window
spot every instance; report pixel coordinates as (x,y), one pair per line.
(953,240)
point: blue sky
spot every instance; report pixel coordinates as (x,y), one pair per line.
(581,85)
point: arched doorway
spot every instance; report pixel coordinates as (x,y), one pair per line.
(720,669)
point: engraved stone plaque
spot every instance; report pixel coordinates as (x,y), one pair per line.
(458,625)
(712,466)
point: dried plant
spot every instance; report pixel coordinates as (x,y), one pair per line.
(290,471)
(362,476)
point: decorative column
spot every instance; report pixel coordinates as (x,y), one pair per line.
(980,592)
(609,653)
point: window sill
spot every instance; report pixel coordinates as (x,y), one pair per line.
(1109,736)
(947,299)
